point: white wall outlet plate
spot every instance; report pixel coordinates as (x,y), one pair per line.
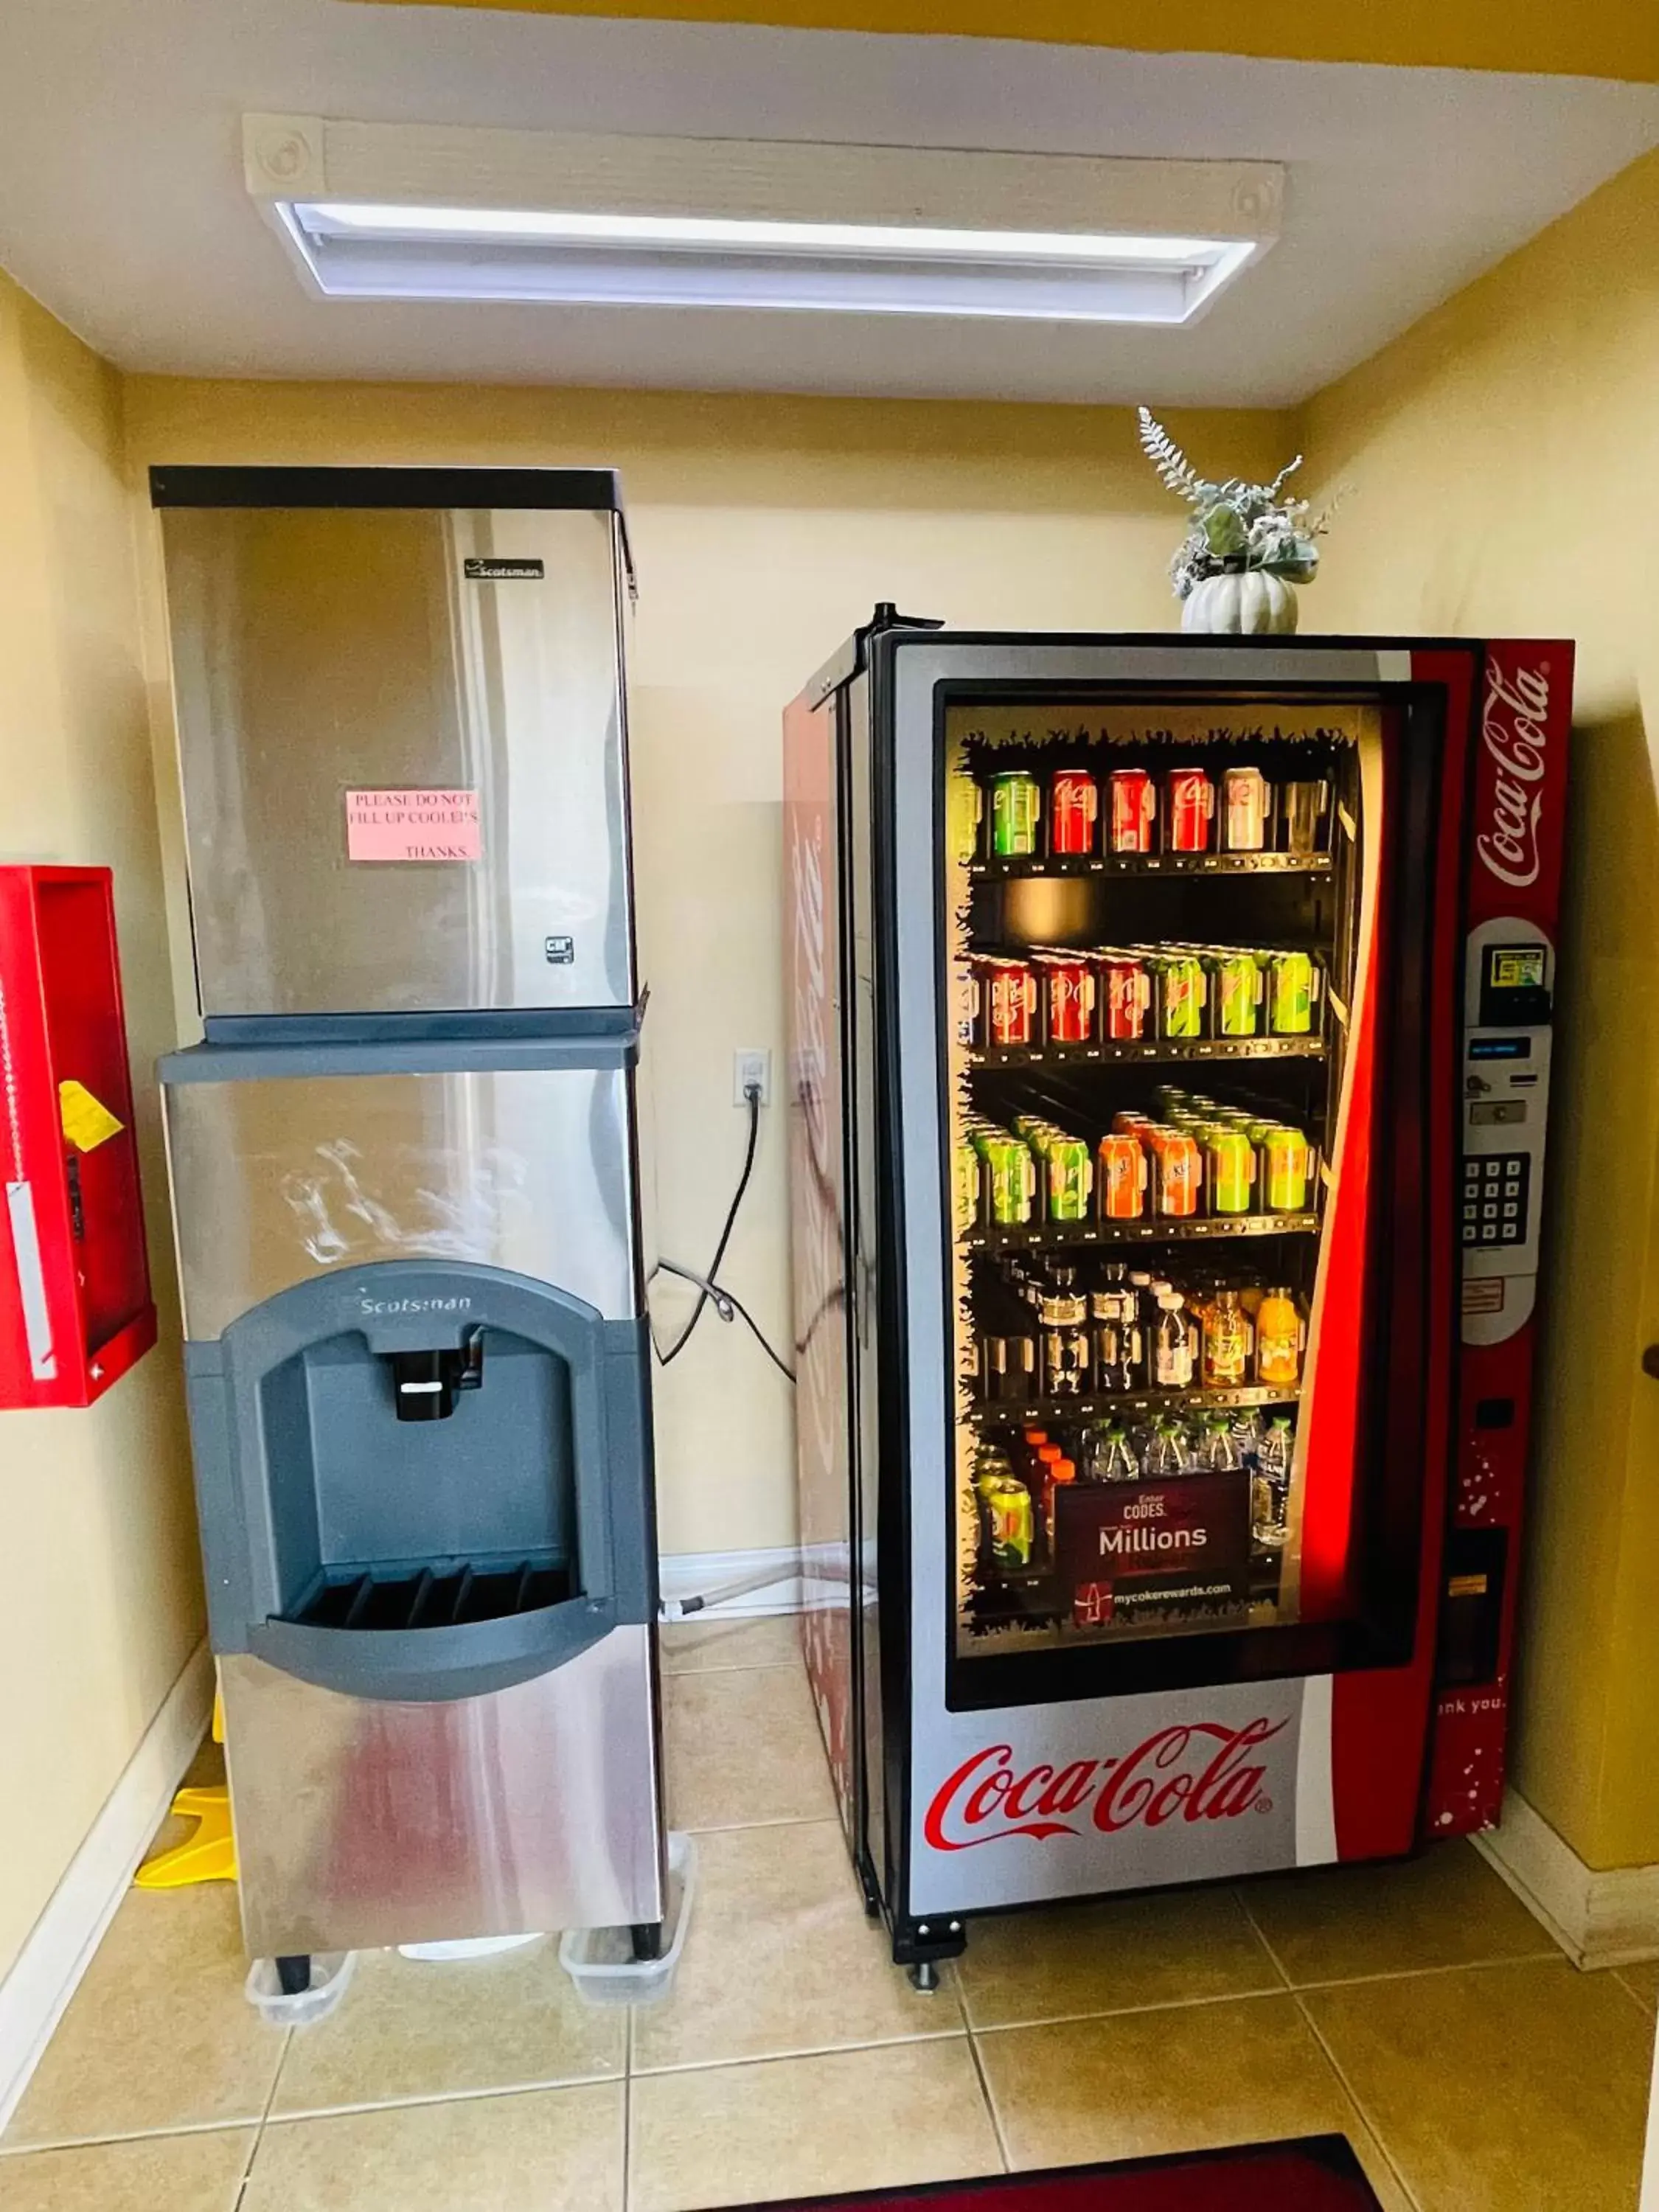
(751,1066)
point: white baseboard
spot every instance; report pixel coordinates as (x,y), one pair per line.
(699,1574)
(58,1947)
(1609,1920)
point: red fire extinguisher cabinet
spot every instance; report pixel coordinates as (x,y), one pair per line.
(75,1310)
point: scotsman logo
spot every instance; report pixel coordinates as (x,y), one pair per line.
(1513,729)
(414,1305)
(1195,1770)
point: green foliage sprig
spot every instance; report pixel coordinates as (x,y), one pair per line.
(1236,525)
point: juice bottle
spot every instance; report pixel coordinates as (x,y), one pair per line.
(1226,1357)
(1062,1472)
(1277,1340)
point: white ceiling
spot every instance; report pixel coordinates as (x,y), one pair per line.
(122,205)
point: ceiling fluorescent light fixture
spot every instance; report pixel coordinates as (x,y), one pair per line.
(543,217)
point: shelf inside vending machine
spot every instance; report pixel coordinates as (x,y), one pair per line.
(1143,865)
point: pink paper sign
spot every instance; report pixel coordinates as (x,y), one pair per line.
(413,825)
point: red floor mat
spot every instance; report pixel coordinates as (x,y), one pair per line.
(1320,2174)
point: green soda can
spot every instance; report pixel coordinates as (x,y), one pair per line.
(1231,1160)
(1179,985)
(1235,993)
(1070,1174)
(968,1173)
(1292,986)
(1015,808)
(1011,1173)
(1286,1167)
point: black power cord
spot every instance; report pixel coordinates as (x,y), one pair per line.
(710,1290)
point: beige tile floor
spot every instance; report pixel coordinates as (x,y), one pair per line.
(1417,2009)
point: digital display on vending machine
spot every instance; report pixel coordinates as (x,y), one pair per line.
(1515,984)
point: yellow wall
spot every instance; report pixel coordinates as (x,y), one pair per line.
(763,530)
(1621,39)
(1504,457)
(102,1604)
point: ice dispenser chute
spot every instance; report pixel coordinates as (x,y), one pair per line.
(439,1559)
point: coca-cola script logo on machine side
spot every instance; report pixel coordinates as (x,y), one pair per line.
(1191,1771)
(1515,731)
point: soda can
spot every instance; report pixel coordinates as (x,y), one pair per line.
(1009,1179)
(1121,1178)
(965,804)
(1230,1158)
(1131,810)
(1068,997)
(1074,804)
(1016,809)
(1303,808)
(1292,987)
(1068,1175)
(1245,802)
(1010,1005)
(1286,1170)
(1126,995)
(1008,1367)
(1177,1174)
(1188,804)
(1182,988)
(967,1186)
(1008,1507)
(1235,993)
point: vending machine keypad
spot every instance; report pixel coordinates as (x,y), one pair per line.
(1497,1198)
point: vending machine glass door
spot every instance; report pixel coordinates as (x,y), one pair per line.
(1188,988)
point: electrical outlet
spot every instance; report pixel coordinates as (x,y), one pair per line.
(752,1067)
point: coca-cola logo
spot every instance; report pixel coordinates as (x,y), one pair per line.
(1190,1770)
(1515,733)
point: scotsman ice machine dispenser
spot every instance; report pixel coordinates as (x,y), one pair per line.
(406,1201)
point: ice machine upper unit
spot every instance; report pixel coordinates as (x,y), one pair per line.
(402,738)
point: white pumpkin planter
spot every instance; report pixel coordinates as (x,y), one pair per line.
(1251,604)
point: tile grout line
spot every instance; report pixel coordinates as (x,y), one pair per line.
(1639,2001)
(420,2100)
(1449,1967)
(978,2059)
(1354,2098)
(1255,1927)
(259,2131)
(802,2051)
(627,2113)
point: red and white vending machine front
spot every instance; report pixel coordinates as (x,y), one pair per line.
(1169,1074)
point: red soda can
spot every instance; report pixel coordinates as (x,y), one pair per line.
(1245,807)
(1125,994)
(1189,802)
(1131,805)
(1068,997)
(1011,1002)
(1073,803)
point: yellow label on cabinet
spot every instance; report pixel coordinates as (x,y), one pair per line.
(86,1123)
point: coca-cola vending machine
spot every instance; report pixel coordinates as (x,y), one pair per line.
(1169,1076)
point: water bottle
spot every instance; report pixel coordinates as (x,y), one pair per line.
(1270,1486)
(1217,1454)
